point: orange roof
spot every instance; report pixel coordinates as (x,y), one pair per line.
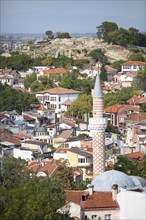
(136,100)
(137,117)
(114,108)
(98,200)
(67,102)
(47,167)
(61,150)
(41,107)
(135,155)
(55,71)
(28,118)
(58,90)
(21,136)
(134,63)
(11,140)
(110,69)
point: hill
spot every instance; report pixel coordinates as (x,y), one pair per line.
(78,48)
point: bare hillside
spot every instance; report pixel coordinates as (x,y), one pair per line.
(79,48)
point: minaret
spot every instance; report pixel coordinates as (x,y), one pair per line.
(97,125)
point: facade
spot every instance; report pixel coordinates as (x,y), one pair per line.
(54,98)
(132,66)
(97,125)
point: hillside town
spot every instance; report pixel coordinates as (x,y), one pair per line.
(46,138)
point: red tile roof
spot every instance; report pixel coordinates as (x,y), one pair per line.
(114,108)
(11,140)
(21,136)
(137,117)
(59,90)
(55,71)
(61,150)
(98,200)
(41,107)
(134,63)
(28,118)
(47,167)
(135,155)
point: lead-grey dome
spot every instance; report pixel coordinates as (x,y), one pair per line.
(139,181)
(106,180)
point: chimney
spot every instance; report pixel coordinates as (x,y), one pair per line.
(90,189)
(114,191)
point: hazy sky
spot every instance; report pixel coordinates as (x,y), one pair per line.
(30,16)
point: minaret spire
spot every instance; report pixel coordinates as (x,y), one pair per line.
(97,125)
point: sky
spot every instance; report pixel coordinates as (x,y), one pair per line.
(72,16)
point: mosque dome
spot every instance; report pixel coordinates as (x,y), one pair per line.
(107,179)
(139,181)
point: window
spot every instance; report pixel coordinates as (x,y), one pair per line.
(108,217)
(85,217)
(94,217)
(81,160)
(53,98)
(59,99)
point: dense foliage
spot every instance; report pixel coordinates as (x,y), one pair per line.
(111,33)
(82,105)
(119,97)
(131,167)
(24,196)
(12,99)
(140,82)
(16,62)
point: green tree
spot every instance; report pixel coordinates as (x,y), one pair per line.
(103,73)
(104,29)
(63,35)
(24,196)
(67,180)
(49,34)
(82,105)
(11,99)
(127,166)
(98,55)
(143,107)
(141,168)
(29,80)
(119,97)
(15,173)
(117,65)
(140,81)
(70,81)
(136,57)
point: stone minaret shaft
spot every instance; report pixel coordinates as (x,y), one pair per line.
(97,125)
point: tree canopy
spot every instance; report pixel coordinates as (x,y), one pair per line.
(49,34)
(27,197)
(111,33)
(12,99)
(82,105)
(63,35)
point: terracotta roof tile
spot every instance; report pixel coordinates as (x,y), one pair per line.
(21,136)
(98,200)
(55,71)
(113,108)
(134,63)
(61,150)
(59,90)
(135,155)
(14,141)
(136,117)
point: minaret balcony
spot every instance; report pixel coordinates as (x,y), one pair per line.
(98,124)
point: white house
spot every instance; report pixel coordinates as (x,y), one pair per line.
(25,154)
(55,97)
(132,66)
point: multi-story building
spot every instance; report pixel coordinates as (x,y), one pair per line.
(55,97)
